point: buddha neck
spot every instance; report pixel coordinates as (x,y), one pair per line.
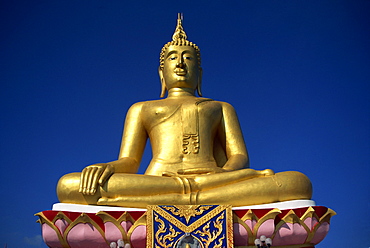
(180,92)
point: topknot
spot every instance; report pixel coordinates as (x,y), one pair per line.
(179,38)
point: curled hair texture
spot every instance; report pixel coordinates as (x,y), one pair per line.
(179,38)
(180,42)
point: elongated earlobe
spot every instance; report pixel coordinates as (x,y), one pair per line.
(163,84)
(163,88)
(199,86)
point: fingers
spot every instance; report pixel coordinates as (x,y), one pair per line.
(89,179)
(83,180)
(106,174)
(92,179)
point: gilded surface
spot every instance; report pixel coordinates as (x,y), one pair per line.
(171,226)
(199,155)
(187,211)
(310,224)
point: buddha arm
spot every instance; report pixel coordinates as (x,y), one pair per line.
(132,148)
(232,139)
(133,142)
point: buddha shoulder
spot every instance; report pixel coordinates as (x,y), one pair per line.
(163,107)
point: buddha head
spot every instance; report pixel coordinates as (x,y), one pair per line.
(180,63)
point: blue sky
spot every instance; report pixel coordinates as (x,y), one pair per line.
(297,73)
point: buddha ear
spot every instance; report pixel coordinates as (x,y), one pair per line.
(163,84)
(199,86)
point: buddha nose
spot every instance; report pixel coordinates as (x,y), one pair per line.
(180,63)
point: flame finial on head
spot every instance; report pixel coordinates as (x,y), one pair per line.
(179,38)
(179,31)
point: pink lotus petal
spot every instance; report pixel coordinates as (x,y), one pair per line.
(112,233)
(61,224)
(240,235)
(126,225)
(250,223)
(290,234)
(267,228)
(138,237)
(85,235)
(50,236)
(321,232)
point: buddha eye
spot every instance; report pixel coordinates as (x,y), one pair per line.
(172,58)
(188,58)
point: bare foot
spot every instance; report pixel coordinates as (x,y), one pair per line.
(109,201)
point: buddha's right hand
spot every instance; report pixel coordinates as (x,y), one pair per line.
(93,176)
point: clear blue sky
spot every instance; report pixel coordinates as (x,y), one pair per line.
(297,72)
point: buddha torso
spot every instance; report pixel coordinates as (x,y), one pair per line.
(196,141)
(182,133)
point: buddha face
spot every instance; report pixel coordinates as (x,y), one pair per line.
(180,68)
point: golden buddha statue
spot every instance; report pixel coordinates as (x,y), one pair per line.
(199,155)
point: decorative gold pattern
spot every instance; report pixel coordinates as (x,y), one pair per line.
(106,217)
(60,216)
(290,217)
(181,225)
(187,211)
(255,223)
(204,229)
(84,218)
(190,143)
(162,235)
(190,127)
(209,236)
(252,232)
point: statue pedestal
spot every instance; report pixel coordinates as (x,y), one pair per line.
(288,224)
